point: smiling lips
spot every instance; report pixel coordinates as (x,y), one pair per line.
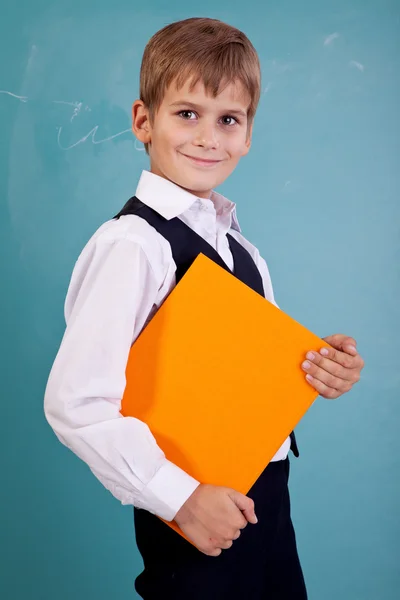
(202,161)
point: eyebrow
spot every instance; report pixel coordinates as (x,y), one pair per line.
(191,105)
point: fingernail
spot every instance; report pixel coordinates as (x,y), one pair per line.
(306,364)
(353,348)
(309,377)
(310,355)
(324,351)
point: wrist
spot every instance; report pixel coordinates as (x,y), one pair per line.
(168,491)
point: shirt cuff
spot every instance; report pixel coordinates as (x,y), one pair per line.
(168,491)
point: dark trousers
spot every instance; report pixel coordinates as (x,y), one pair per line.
(262,564)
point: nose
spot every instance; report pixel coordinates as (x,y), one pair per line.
(206,136)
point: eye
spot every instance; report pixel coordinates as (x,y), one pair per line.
(187,114)
(229,121)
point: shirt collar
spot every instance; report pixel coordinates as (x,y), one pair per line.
(170,200)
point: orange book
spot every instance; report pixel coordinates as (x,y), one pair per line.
(217,377)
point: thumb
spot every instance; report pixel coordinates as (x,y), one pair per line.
(342,342)
(350,346)
(246,505)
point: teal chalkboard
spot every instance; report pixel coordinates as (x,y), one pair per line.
(318,193)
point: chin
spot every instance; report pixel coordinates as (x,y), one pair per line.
(201,181)
(200,188)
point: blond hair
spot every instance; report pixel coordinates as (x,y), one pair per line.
(202,49)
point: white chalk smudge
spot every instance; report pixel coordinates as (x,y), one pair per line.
(331,38)
(67,103)
(356,65)
(280,66)
(31,56)
(77,107)
(92,134)
(268,87)
(138,148)
(22,98)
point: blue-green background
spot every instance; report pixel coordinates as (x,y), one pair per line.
(319,195)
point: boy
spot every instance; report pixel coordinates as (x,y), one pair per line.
(199,90)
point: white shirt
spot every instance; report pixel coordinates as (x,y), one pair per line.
(120,279)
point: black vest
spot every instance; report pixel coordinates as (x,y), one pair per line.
(186,245)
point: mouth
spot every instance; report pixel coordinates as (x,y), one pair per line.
(202,162)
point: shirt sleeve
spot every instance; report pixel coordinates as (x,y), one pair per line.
(111,299)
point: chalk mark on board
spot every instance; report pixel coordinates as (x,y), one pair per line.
(356,65)
(268,87)
(91,133)
(21,98)
(331,38)
(77,107)
(142,149)
(280,66)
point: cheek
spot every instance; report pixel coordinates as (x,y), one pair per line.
(172,135)
(236,145)
(181,136)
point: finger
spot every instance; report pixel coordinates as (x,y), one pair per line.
(326,370)
(325,377)
(337,363)
(226,545)
(350,348)
(215,552)
(351,363)
(342,342)
(323,389)
(201,538)
(245,504)
(241,522)
(237,535)
(250,516)
(212,547)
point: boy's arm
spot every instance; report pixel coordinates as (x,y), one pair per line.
(111,299)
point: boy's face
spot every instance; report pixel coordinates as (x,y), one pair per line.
(196,140)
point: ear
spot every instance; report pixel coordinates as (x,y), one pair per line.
(141,122)
(247,144)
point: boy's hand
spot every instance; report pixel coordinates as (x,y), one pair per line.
(213,516)
(334,371)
